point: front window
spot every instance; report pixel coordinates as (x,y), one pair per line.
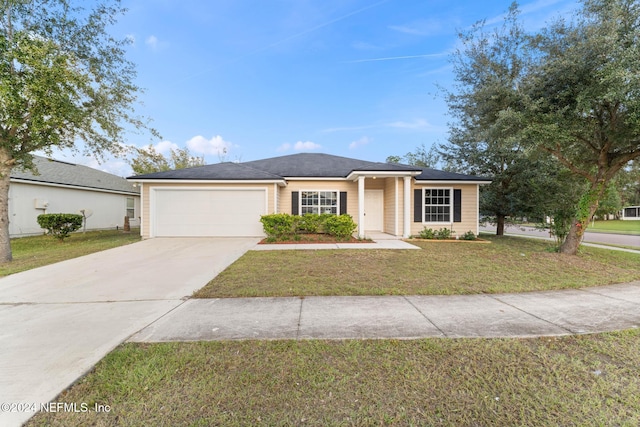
(319,202)
(437,205)
(131,210)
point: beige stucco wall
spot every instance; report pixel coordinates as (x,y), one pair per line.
(469,210)
(146,189)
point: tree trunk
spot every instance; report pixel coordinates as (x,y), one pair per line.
(5,242)
(500,225)
(589,206)
(574,238)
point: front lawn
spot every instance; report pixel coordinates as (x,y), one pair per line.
(508,264)
(615,226)
(37,251)
(589,380)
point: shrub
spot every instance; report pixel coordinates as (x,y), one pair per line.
(427,233)
(60,225)
(278,225)
(444,234)
(340,226)
(308,223)
(469,235)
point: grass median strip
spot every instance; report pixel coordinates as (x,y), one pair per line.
(615,226)
(578,380)
(508,264)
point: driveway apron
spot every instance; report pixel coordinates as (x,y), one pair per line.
(57,321)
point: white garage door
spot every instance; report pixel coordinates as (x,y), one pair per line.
(195,212)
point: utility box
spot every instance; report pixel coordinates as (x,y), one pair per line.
(41,203)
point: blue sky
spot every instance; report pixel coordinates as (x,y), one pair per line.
(263,78)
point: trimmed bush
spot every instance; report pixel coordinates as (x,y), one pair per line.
(60,225)
(469,235)
(278,225)
(309,223)
(441,234)
(285,226)
(444,234)
(427,233)
(340,226)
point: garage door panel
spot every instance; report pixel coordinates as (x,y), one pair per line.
(209,212)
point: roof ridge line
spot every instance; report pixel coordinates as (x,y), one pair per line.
(256,169)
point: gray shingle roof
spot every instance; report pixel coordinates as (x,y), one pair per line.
(429,174)
(319,165)
(64,173)
(219,171)
(302,165)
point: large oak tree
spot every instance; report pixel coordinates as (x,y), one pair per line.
(63,80)
(583,98)
(572,90)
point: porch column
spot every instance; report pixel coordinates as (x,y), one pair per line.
(361,207)
(407,207)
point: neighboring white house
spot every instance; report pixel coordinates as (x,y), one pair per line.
(631,213)
(62,187)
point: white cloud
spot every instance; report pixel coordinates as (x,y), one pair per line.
(299,146)
(359,143)
(201,145)
(155,44)
(416,124)
(152,42)
(423,27)
(306,145)
(165,147)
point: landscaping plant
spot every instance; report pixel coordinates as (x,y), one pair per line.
(60,225)
(290,227)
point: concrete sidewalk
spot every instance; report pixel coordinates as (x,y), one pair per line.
(552,313)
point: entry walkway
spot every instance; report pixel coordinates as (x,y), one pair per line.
(531,314)
(379,241)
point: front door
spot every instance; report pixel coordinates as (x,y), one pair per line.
(373,210)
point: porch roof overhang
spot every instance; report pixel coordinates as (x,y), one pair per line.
(434,181)
(354,175)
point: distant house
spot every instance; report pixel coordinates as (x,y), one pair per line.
(62,187)
(631,213)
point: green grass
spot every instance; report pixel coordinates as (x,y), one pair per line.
(37,251)
(589,380)
(508,264)
(615,226)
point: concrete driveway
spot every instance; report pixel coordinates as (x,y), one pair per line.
(57,321)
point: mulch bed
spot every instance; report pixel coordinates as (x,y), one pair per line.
(315,238)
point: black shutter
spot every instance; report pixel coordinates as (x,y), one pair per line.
(343,202)
(457,205)
(417,205)
(294,203)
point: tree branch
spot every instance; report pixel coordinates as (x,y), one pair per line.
(558,154)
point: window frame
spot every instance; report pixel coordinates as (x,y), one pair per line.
(130,212)
(301,198)
(450,205)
